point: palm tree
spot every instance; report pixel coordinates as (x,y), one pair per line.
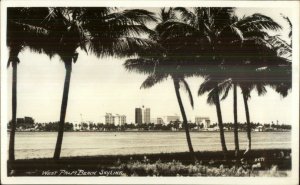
(161,64)
(215,85)
(21,28)
(106,32)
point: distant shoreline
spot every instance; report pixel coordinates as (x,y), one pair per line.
(158,131)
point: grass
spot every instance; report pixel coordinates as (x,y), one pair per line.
(208,163)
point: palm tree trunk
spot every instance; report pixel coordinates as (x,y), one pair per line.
(219,114)
(236,136)
(185,124)
(248,121)
(11,152)
(63,110)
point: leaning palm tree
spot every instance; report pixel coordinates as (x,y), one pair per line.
(215,85)
(101,31)
(22,26)
(163,62)
(199,29)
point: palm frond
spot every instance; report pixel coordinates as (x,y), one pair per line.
(188,90)
(153,79)
(167,15)
(224,88)
(206,86)
(140,65)
(258,22)
(231,34)
(177,29)
(39,31)
(290,25)
(260,88)
(282,47)
(122,47)
(211,97)
(187,15)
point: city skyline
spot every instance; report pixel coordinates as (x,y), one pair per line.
(162,120)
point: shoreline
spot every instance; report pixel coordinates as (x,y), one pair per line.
(154,131)
(267,158)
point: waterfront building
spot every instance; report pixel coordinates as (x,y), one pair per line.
(153,120)
(160,121)
(168,119)
(109,118)
(205,121)
(147,115)
(25,123)
(76,126)
(120,119)
(138,116)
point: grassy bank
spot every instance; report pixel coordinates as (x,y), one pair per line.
(209,163)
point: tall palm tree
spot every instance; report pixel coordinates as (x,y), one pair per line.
(214,86)
(162,63)
(22,26)
(106,32)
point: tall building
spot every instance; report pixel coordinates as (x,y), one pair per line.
(147,115)
(138,116)
(203,120)
(109,118)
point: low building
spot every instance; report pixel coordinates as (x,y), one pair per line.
(160,121)
(205,121)
(260,128)
(25,123)
(168,119)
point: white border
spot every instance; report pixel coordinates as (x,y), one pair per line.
(294,5)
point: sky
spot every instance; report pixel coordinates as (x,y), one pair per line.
(100,86)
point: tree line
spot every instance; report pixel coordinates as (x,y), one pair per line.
(213,44)
(171,126)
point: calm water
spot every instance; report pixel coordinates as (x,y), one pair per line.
(42,144)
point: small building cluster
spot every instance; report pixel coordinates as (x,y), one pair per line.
(115,119)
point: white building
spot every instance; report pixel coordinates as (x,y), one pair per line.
(205,121)
(160,121)
(116,119)
(76,125)
(153,120)
(167,119)
(109,118)
(120,119)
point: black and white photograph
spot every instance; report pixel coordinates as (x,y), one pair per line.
(171,92)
